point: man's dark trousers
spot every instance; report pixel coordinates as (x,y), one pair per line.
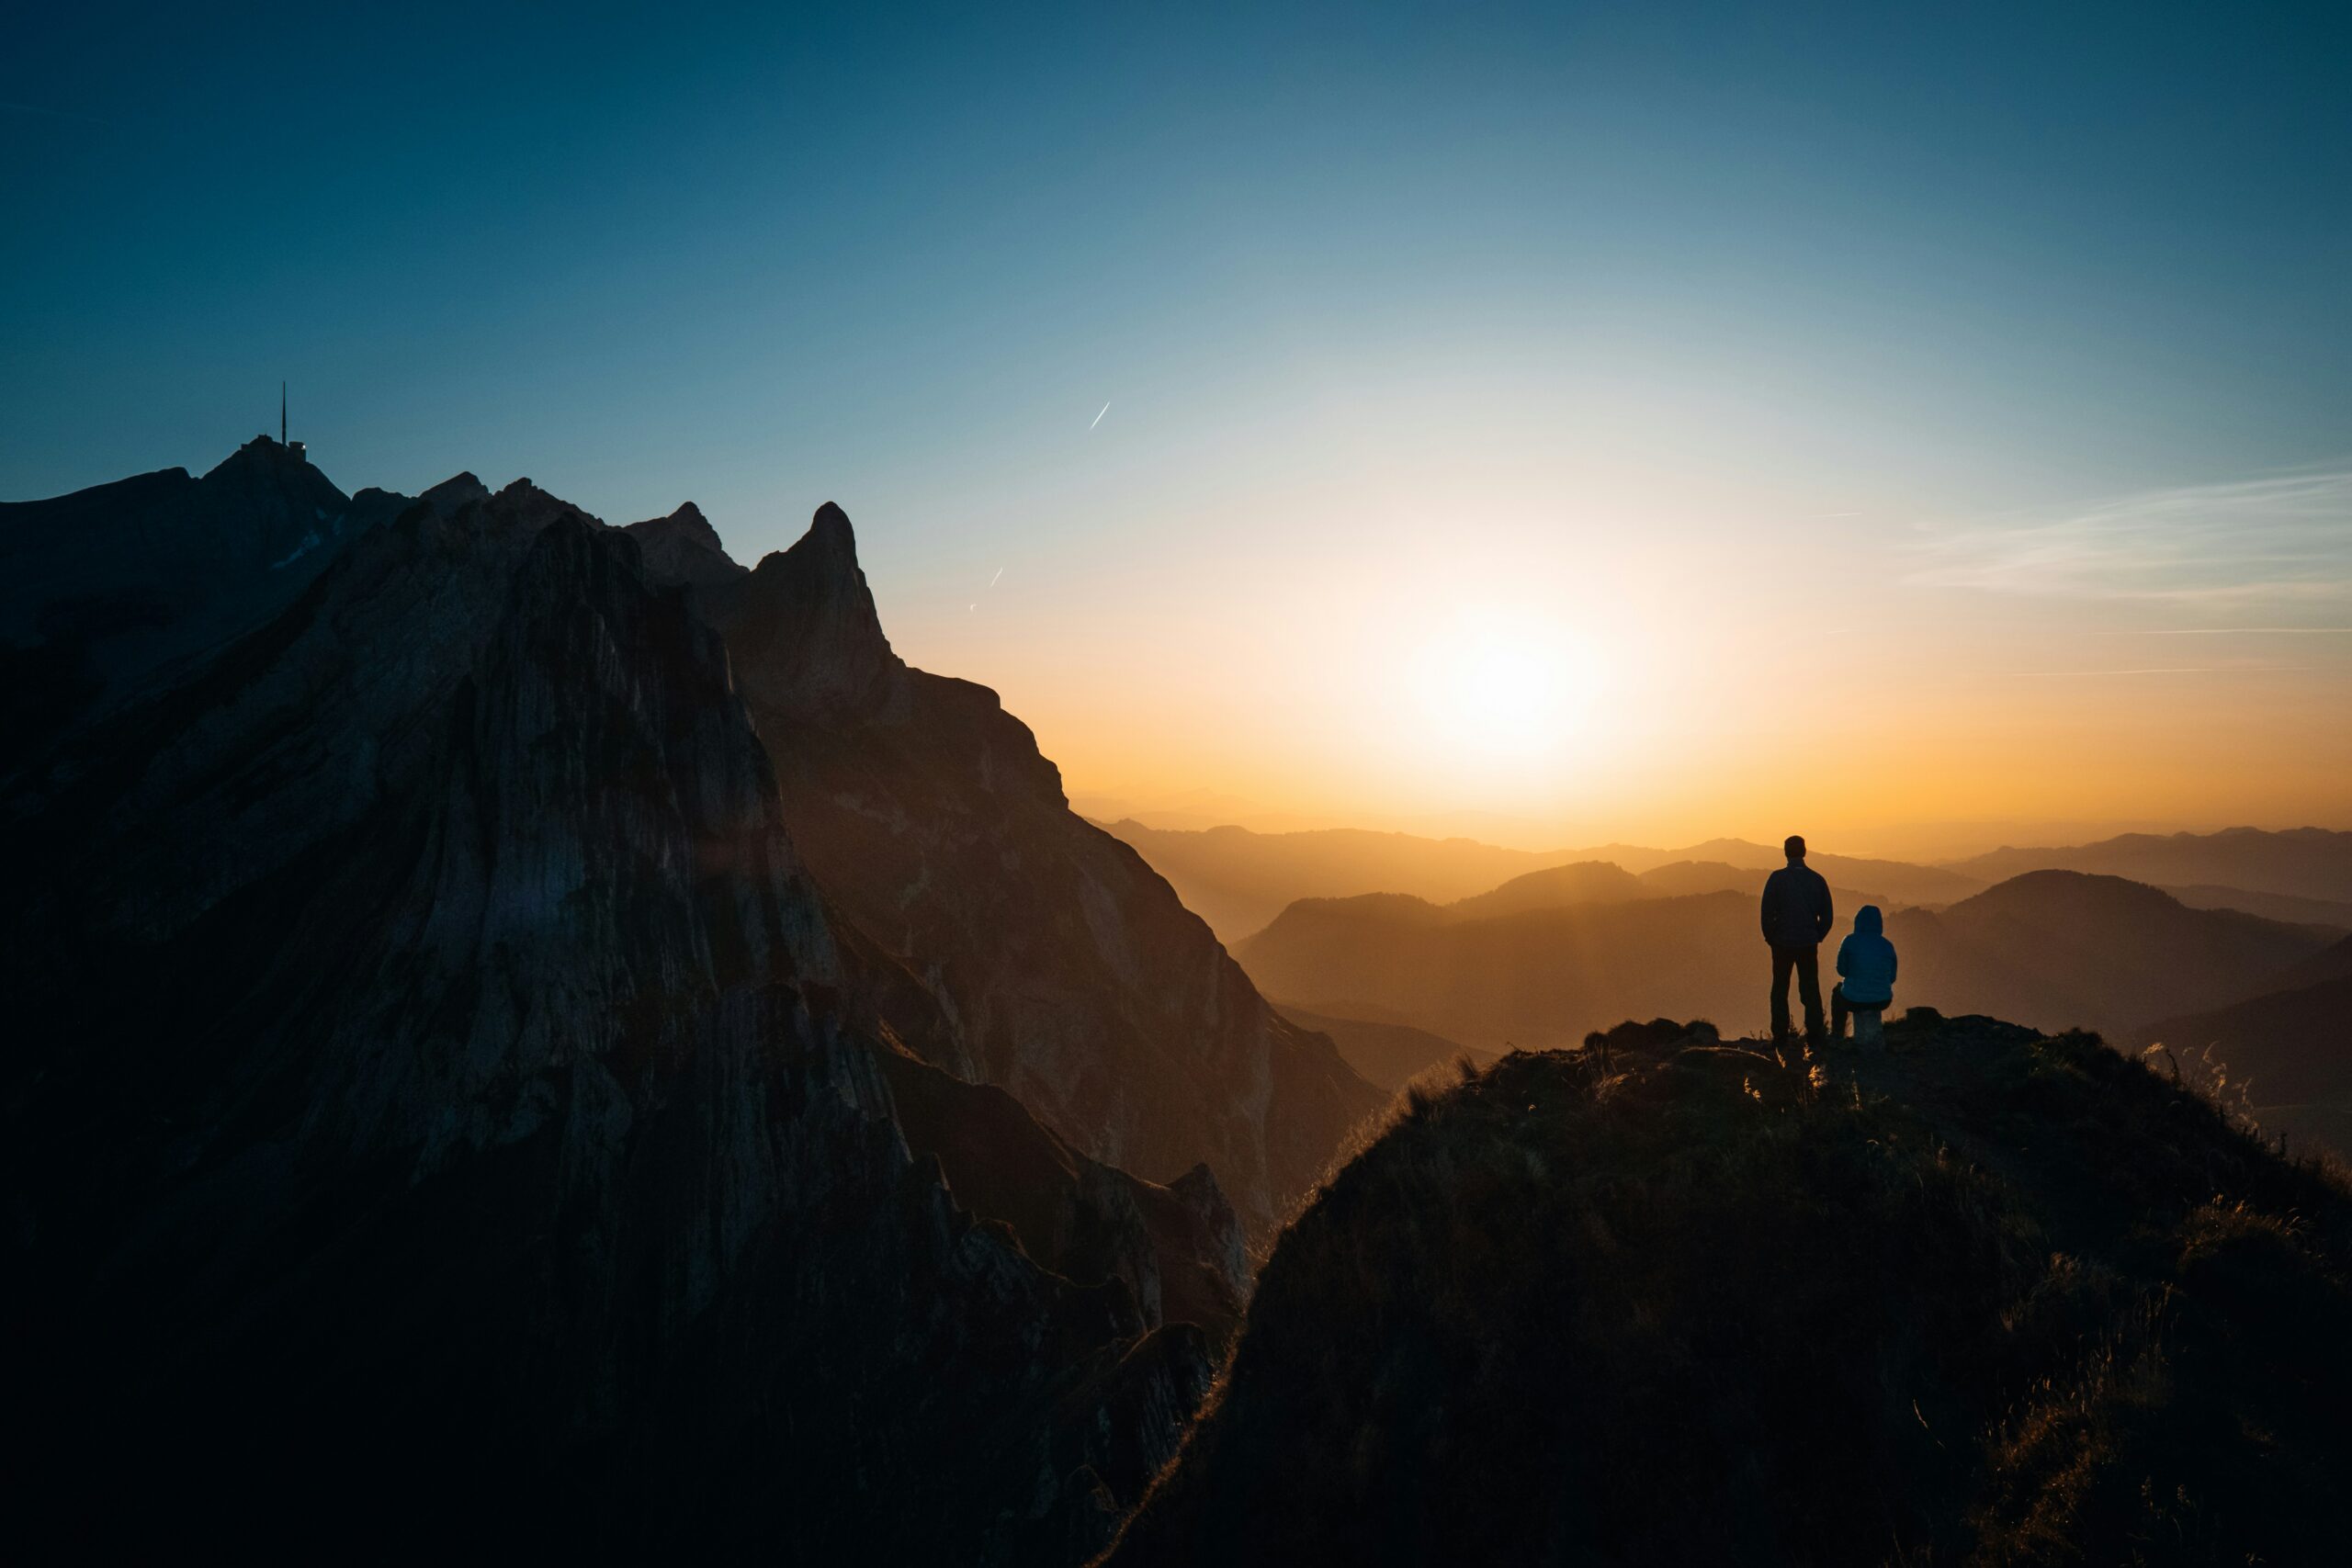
(1807,961)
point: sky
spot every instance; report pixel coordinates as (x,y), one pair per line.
(1921,427)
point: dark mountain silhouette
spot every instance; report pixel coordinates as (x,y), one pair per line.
(2304,863)
(2055,948)
(2269,906)
(443,1098)
(684,548)
(103,589)
(1179,1248)
(2333,962)
(1386,1054)
(2060,949)
(2287,1054)
(1993,1297)
(1027,948)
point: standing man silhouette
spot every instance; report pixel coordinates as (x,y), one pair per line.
(1797,914)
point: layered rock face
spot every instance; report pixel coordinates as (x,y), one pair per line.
(441,1107)
(1035,951)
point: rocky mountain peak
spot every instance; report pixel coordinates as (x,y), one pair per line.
(455,493)
(942,834)
(263,453)
(526,504)
(683,549)
(831,528)
(804,632)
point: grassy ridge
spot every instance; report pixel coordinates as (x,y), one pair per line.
(1989,1297)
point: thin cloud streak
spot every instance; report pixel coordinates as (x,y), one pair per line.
(2157,669)
(2284,543)
(2224,631)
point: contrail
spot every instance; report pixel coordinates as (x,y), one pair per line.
(999,572)
(1098,418)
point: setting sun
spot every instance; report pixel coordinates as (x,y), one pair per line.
(1497,687)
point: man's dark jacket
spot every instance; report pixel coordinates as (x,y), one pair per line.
(1796,907)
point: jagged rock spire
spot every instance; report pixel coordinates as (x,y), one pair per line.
(804,635)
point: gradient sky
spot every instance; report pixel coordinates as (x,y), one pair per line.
(1912,425)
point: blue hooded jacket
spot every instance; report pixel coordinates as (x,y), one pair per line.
(1866,961)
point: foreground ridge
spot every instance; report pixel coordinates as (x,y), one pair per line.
(1992,1296)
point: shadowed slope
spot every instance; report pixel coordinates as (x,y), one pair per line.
(1057,965)
(105,589)
(2287,1054)
(439,1108)
(1386,1054)
(2007,1299)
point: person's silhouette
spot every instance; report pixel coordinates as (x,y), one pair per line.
(1866,980)
(1797,916)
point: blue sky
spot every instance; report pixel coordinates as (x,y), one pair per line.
(1824,274)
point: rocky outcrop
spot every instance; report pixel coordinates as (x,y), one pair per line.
(437,1098)
(1052,961)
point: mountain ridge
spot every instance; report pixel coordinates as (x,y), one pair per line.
(2056,949)
(2299,863)
(441,1073)
(1673,1303)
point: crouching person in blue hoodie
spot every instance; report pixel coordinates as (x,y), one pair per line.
(1866,980)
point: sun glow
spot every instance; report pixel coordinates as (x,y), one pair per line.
(1502,689)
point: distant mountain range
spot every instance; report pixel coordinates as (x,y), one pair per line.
(1238,881)
(2303,863)
(2054,949)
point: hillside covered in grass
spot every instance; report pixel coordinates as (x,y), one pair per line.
(1990,1296)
